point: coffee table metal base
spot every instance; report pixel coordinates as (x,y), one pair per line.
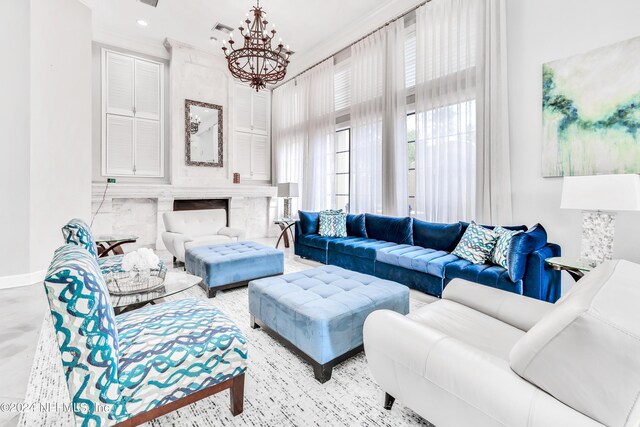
(322,371)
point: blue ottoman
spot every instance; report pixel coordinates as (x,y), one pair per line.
(231,265)
(319,313)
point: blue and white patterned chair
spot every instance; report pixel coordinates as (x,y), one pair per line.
(129,369)
(79,233)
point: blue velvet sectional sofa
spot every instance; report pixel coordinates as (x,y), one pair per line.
(418,254)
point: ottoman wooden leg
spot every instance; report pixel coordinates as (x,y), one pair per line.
(237,395)
(322,372)
(388,401)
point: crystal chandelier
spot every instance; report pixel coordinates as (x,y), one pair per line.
(257,62)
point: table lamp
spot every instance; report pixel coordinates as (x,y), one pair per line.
(599,198)
(287,190)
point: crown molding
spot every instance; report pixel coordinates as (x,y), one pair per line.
(138,44)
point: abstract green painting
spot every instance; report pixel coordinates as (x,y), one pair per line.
(591,112)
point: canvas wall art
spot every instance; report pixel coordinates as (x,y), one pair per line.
(591,112)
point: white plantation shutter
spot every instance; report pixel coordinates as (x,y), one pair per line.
(132,116)
(261,164)
(147,153)
(259,110)
(342,88)
(243,107)
(119,147)
(242,154)
(410,60)
(119,84)
(147,89)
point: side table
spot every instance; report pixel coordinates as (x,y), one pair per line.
(575,267)
(285,231)
(112,242)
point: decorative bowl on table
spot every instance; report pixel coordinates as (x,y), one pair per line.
(141,272)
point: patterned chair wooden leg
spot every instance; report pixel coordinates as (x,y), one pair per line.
(237,395)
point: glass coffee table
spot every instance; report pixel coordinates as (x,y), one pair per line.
(174,282)
(575,267)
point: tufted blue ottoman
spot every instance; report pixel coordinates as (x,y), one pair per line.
(319,313)
(231,265)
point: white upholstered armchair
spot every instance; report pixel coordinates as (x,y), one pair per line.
(484,357)
(187,229)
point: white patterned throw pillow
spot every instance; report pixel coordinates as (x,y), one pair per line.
(500,253)
(333,223)
(476,244)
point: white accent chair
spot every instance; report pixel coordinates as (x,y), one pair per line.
(484,357)
(188,229)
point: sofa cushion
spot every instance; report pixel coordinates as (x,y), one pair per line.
(522,245)
(416,258)
(315,241)
(358,246)
(309,222)
(476,244)
(485,274)
(441,237)
(585,352)
(356,225)
(390,229)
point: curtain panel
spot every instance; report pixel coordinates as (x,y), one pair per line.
(304,134)
(462,147)
(378,123)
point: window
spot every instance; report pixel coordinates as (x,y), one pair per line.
(342,87)
(411,151)
(342,169)
(132,111)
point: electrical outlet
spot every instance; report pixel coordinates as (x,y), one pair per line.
(111,180)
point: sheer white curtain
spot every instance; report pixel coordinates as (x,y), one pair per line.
(304,134)
(456,176)
(378,123)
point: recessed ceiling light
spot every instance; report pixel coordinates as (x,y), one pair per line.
(142,22)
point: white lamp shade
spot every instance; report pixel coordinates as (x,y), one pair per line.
(601,193)
(288,189)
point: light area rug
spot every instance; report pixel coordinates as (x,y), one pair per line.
(280,389)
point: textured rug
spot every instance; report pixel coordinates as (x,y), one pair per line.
(280,388)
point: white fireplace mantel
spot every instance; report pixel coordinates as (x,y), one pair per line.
(167,191)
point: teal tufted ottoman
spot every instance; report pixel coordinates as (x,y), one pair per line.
(230,265)
(319,313)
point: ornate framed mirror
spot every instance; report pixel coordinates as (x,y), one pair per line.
(203,134)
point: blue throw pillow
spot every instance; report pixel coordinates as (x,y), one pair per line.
(356,226)
(522,245)
(476,244)
(390,229)
(441,237)
(333,224)
(490,227)
(309,222)
(500,253)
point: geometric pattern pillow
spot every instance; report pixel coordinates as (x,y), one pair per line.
(333,223)
(500,253)
(78,232)
(476,244)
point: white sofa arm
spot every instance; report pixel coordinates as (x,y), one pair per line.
(233,232)
(175,243)
(516,310)
(451,383)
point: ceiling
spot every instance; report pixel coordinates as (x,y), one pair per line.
(303,24)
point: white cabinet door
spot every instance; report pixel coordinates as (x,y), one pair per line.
(260,112)
(260,158)
(147,89)
(119,83)
(242,110)
(148,154)
(242,155)
(119,147)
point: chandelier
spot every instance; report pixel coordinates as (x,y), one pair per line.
(257,62)
(194,123)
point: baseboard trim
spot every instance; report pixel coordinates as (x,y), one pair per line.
(18,280)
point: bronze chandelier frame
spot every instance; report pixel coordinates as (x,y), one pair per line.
(257,63)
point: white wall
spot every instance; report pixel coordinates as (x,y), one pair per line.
(540,31)
(14,137)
